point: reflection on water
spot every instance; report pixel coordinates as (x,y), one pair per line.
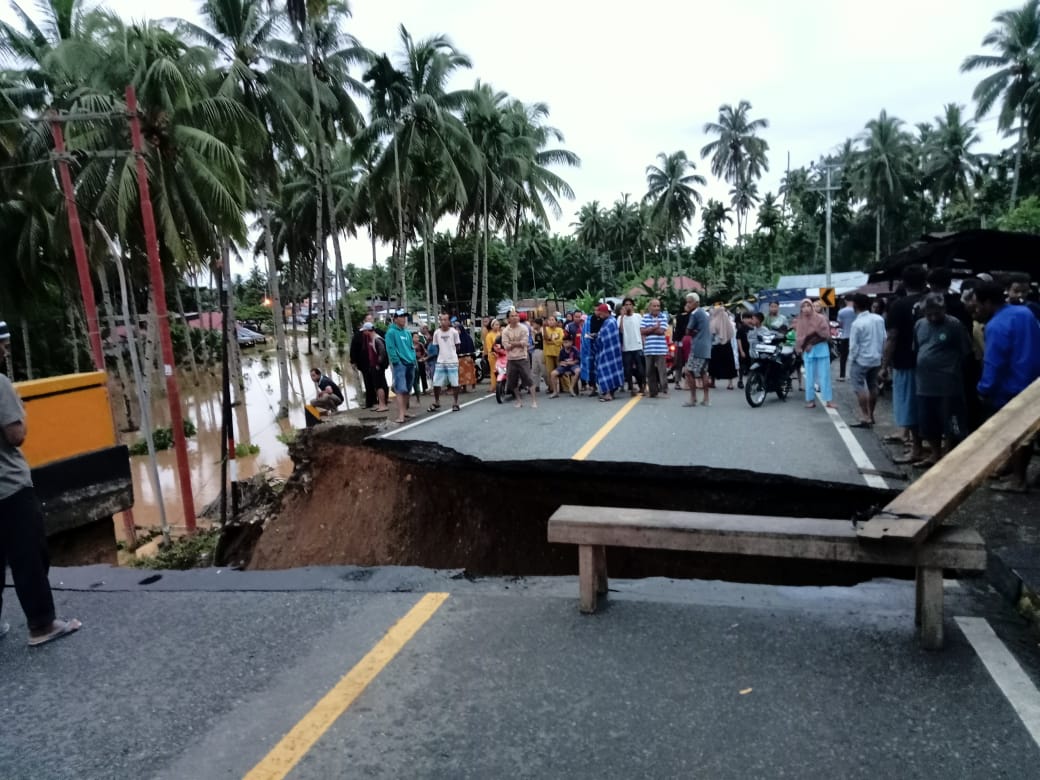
(255,423)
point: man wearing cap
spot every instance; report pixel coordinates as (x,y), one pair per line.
(23,542)
(630,326)
(610,373)
(515,338)
(446,372)
(403,363)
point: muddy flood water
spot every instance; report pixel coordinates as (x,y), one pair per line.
(255,423)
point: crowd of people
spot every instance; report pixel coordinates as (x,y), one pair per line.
(951,358)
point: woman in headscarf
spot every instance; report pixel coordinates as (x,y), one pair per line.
(467,352)
(610,370)
(812,342)
(722,365)
(494,332)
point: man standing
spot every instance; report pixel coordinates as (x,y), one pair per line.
(610,373)
(1019,287)
(681,338)
(866,345)
(23,542)
(632,346)
(699,330)
(775,320)
(518,370)
(329,394)
(899,358)
(357,360)
(446,371)
(372,360)
(846,316)
(403,363)
(654,329)
(1011,362)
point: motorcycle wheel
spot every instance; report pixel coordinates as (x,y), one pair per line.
(755,389)
(478,370)
(785,388)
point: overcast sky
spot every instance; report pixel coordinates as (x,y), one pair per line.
(628,81)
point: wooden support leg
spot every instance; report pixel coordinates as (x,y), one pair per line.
(919,591)
(930,607)
(600,553)
(587,578)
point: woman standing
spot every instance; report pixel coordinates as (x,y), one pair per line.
(493,333)
(812,342)
(722,365)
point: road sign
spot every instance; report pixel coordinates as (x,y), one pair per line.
(828,297)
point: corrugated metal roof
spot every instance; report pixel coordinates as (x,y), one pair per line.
(845,279)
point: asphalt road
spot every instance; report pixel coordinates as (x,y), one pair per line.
(200,675)
(780,437)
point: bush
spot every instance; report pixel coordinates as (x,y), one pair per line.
(243,450)
(163,439)
(189,552)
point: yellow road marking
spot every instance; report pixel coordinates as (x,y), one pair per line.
(590,445)
(294,745)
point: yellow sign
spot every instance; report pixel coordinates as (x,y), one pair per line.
(830,300)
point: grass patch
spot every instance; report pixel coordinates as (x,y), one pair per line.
(243,450)
(189,552)
(163,439)
(287,438)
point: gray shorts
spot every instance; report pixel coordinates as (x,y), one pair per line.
(696,366)
(863,379)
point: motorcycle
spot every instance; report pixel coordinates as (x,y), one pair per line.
(770,370)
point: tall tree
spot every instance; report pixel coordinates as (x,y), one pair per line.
(738,153)
(885,168)
(672,195)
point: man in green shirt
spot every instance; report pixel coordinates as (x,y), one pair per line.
(402,362)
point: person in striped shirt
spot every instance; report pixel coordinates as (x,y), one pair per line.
(655,348)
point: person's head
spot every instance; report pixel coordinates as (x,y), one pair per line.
(818,306)
(5,339)
(603,311)
(915,278)
(368,329)
(848,301)
(445,321)
(369,318)
(550,321)
(569,316)
(745,317)
(415,337)
(878,306)
(315,374)
(939,280)
(935,307)
(496,324)
(513,318)
(805,308)
(1018,288)
(774,308)
(860,302)
(655,306)
(628,306)
(568,340)
(485,322)
(693,300)
(758,318)
(989,299)
(400,317)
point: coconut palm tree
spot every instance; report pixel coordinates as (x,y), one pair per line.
(1015,41)
(885,167)
(738,153)
(672,195)
(950,163)
(743,198)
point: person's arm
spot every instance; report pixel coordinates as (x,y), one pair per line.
(855,342)
(391,348)
(995,358)
(15,433)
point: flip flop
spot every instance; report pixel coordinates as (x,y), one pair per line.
(454,407)
(604,400)
(433,407)
(689,404)
(59,629)
(894,438)
(862,424)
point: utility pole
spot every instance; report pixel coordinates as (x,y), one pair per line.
(828,189)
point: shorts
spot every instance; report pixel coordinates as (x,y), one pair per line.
(518,372)
(446,375)
(567,370)
(939,416)
(696,366)
(404,377)
(904,398)
(863,379)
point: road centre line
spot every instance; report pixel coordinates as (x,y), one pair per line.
(280,761)
(859,456)
(432,417)
(1014,683)
(601,434)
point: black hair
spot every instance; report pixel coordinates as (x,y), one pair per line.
(861,301)
(758,315)
(990,292)
(628,300)
(939,279)
(914,277)
(1019,277)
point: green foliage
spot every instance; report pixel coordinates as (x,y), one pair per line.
(162,438)
(1024,218)
(244,450)
(189,552)
(288,438)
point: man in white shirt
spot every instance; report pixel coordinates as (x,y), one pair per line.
(630,324)
(866,345)
(446,370)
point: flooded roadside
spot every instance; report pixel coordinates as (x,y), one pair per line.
(255,423)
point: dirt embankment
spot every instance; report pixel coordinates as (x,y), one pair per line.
(389,502)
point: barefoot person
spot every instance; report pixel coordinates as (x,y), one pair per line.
(23,545)
(696,369)
(515,338)
(610,367)
(446,372)
(402,362)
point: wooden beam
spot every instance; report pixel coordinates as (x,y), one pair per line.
(919,509)
(777,537)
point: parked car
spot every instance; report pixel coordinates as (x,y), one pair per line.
(249,338)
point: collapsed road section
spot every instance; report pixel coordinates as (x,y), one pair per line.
(360,500)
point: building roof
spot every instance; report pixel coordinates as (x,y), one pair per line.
(846,280)
(966,253)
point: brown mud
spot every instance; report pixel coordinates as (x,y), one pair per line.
(357,500)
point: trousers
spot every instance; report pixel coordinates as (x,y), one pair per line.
(23,547)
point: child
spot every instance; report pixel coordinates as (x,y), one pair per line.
(419,345)
(568,366)
(500,368)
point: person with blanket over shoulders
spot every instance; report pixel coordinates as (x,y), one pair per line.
(610,369)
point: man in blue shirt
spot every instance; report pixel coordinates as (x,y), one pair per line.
(696,368)
(1011,362)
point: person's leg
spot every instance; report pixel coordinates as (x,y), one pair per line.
(690,383)
(706,383)
(843,358)
(823,371)
(23,543)
(652,378)
(662,368)
(370,389)
(537,367)
(640,369)
(512,379)
(810,384)
(554,382)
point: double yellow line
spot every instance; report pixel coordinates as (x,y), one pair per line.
(294,745)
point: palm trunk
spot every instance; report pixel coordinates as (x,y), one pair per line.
(1018,153)
(70,319)
(124,377)
(476,273)
(426,270)
(400,223)
(274,291)
(877,237)
(433,266)
(178,299)
(308,42)
(485,275)
(27,350)
(342,307)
